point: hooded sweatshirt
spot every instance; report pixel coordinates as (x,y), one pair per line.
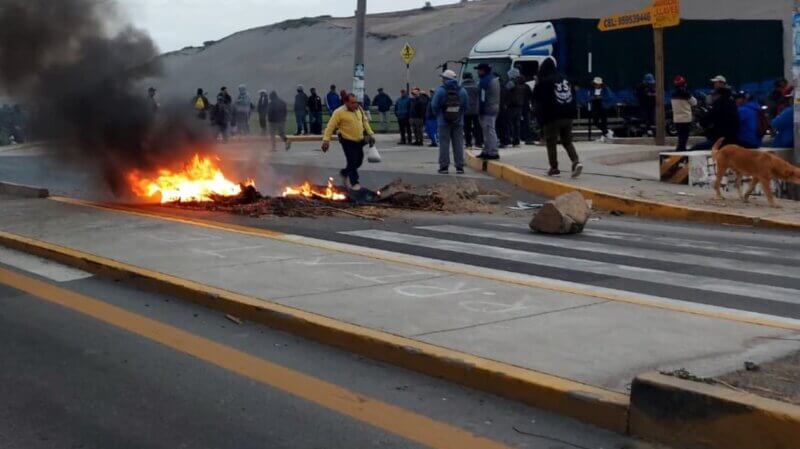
(276,111)
(748,125)
(554,95)
(243,103)
(490,95)
(263,103)
(437,103)
(300,102)
(474,94)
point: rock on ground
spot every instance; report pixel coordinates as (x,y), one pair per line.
(567,214)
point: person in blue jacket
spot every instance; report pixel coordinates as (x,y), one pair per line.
(333,100)
(748,121)
(402,109)
(450,102)
(783,125)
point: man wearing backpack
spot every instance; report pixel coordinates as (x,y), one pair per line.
(450,102)
(201,104)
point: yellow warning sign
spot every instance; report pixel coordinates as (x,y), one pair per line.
(407,53)
(666,13)
(661,14)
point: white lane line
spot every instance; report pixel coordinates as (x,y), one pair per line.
(42,267)
(753,237)
(587,266)
(601,248)
(689,242)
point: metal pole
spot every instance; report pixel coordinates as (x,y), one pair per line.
(408,76)
(658,40)
(358,67)
(796,78)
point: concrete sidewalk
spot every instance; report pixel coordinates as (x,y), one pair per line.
(588,338)
(632,172)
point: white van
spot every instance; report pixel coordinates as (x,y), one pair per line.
(523,45)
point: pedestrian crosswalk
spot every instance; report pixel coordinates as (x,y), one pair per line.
(672,262)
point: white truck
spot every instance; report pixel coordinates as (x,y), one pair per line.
(523,45)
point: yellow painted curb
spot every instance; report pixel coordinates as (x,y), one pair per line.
(608,201)
(693,414)
(594,405)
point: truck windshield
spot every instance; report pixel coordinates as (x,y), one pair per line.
(499,66)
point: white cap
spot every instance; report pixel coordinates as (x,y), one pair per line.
(719,79)
(597,80)
(449,75)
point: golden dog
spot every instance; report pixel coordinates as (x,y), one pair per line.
(761,166)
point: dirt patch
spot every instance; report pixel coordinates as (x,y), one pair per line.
(778,380)
(395,199)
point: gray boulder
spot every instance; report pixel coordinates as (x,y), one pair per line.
(566,214)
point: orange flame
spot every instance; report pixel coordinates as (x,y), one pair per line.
(307,190)
(198,181)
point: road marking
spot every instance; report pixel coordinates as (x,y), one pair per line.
(688,242)
(409,425)
(42,267)
(590,266)
(601,248)
(444,266)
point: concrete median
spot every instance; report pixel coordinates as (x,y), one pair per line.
(23,191)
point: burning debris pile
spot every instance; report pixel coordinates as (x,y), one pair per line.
(201,184)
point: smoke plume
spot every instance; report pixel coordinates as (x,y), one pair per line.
(79,73)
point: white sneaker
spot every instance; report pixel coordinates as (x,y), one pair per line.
(602,139)
(356,187)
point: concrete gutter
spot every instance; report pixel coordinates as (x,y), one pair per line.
(694,414)
(9,188)
(594,405)
(611,202)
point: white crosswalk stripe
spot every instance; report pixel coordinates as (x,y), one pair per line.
(687,243)
(601,248)
(703,283)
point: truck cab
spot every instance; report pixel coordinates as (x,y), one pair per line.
(523,45)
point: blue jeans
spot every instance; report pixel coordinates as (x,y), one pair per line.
(432,128)
(451,134)
(302,124)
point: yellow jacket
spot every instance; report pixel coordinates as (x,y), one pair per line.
(351,125)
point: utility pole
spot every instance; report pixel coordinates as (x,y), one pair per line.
(796,79)
(358,66)
(661,131)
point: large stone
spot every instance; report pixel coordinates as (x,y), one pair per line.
(567,214)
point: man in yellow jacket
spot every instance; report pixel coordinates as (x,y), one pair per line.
(354,133)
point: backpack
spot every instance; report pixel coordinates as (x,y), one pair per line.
(451,108)
(763,123)
(200,104)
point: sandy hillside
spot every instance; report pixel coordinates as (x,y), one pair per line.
(318,52)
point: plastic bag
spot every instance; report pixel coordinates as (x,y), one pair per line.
(372,155)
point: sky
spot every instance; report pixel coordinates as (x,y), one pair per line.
(174,24)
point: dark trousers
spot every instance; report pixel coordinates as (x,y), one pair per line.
(262,123)
(417,125)
(302,123)
(472,130)
(559,129)
(683,135)
(502,125)
(515,125)
(315,119)
(405,130)
(527,133)
(354,153)
(600,117)
(648,113)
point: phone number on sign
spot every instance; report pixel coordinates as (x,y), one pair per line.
(627,20)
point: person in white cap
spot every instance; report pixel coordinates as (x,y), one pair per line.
(600,98)
(450,102)
(719,82)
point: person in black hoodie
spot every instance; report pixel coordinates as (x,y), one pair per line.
(721,121)
(315,112)
(263,104)
(555,105)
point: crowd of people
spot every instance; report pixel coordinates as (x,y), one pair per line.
(483,112)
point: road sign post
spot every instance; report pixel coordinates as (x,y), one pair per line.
(408,53)
(661,14)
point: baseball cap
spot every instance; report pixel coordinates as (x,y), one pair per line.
(597,80)
(719,79)
(449,75)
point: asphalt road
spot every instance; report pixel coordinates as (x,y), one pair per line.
(91,363)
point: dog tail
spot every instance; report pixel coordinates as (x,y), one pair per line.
(715,149)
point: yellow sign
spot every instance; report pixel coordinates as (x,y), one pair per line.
(666,13)
(628,20)
(662,14)
(408,53)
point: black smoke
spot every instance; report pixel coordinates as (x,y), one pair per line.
(80,73)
